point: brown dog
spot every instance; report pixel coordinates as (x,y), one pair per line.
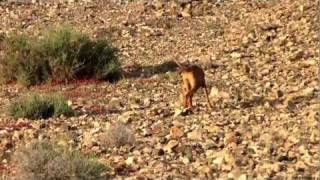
(192,79)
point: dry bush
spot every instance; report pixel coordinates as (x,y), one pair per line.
(118,135)
(48,161)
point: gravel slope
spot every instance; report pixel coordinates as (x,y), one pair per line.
(261,61)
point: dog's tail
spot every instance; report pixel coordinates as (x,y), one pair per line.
(179,64)
(207,95)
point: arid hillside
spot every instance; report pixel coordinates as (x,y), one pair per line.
(261,61)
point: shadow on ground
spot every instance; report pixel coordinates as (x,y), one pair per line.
(137,71)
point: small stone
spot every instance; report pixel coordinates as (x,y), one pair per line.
(186,12)
(158,4)
(186,160)
(218,160)
(178,123)
(95,130)
(308,63)
(147,150)
(235,55)
(114,103)
(177,112)
(293,139)
(195,135)
(314,137)
(147,102)
(6,144)
(205,169)
(88,140)
(130,160)
(213,129)
(230,138)
(4,161)
(302,149)
(214,93)
(308,92)
(226,168)
(126,117)
(242,177)
(300,166)
(171,144)
(176,133)
(69,102)
(208,144)
(17,135)
(245,40)
(159,13)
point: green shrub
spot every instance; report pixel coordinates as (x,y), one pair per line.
(49,161)
(21,62)
(35,106)
(60,54)
(61,106)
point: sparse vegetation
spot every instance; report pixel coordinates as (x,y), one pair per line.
(48,161)
(22,62)
(260,63)
(118,135)
(36,106)
(60,54)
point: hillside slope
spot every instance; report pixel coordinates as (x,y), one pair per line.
(260,59)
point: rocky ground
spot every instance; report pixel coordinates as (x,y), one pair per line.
(261,64)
